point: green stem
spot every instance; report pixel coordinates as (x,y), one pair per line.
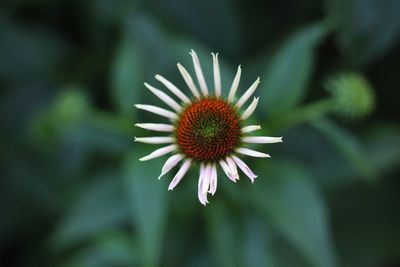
(304,114)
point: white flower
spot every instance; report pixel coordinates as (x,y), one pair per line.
(204,129)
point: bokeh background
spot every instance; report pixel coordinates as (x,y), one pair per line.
(73,193)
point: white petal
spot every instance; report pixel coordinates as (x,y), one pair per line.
(199,73)
(189,81)
(159,152)
(227,170)
(213,180)
(248,93)
(170,163)
(202,197)
(155,140)
(245,168)
(249,111)
(160,127)
(217,75)
(232,167)
(173,88)
(251,128)
(206,179)
(178,177)
(252,153)
(164,97)
(158,111)
(262,139)
(235,85)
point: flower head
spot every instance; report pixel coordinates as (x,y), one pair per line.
(205,129)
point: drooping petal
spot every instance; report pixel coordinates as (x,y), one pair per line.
(164,97)
(245,169)
(251,128)
(199,73)
(206,179)
(213,180)
(155,140)
(158,111)
(252,153)
(170,163)
(232,167)
(262,139)
(159,127)
(217,75)
(249,111)
(235,85)
(159,152)
(189,81)
(173,89)
(202,197)
(178,177)
(248,93)
(227,170)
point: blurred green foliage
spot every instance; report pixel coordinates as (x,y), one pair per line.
(73,193)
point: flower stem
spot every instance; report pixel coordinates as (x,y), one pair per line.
(304,114)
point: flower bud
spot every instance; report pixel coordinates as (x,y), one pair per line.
(353,95)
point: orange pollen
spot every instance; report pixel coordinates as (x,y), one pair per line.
(208,130)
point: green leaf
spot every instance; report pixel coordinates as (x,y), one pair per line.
(149,206)
(142,54)
(286,197)
(113,249)
(126,77)
(366,28)
(257,250)
(222,234)
(286,78)
(347,145)
(151,39)
(101,206)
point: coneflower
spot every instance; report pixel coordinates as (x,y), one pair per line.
(205,129)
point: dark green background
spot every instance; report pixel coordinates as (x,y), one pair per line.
(73,193)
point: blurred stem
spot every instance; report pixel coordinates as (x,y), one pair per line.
(304,114)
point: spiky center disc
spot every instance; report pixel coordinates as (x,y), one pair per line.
(208,130)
